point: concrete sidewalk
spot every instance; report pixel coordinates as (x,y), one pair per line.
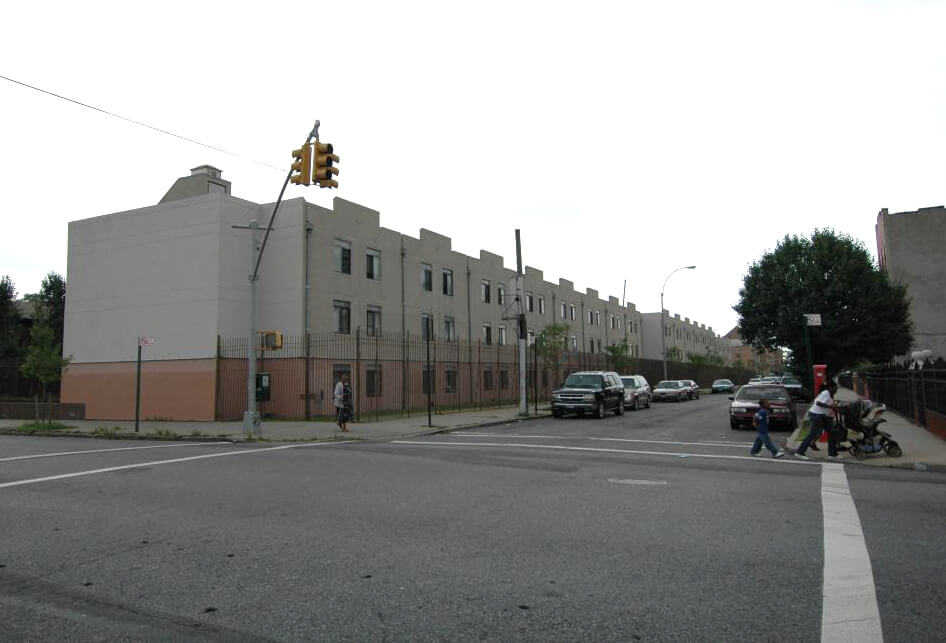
(284,430)
(921,449)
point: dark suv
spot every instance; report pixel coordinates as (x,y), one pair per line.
(594,392)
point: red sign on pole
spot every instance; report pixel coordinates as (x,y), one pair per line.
(145,341)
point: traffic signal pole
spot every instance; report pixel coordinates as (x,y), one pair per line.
(251,419)
(523,337)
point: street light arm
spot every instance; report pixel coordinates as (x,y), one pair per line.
(664,287)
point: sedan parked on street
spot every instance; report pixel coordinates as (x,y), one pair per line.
(745,404)
(671,390)
(636,392)
(693,389)
(723,386)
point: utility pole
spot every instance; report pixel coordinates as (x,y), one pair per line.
(523,337)
(315,168)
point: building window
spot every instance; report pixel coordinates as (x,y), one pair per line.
(591,344)
(342,316)
(541,305)
(571,311)
(342,256)
(500,295)
(487,379)
(591,317)
(373,264)
(373,321)
(426,277)
(448,282)
(373,380)
(449,329)
(530,303)
(574,343)
(450,379)
(597,318)
(484,291)
(611,321)
(487,334)
(426,326)
(599,345)
(531,337)
(503,379)
(564,310)
(502,335)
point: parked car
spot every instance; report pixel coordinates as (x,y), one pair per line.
(795,388)
(755,380)
(636,392)
(693,389)
(722,386)
(594,392)
(745,403)
(671,390)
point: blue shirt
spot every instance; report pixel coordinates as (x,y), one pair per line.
(762,420)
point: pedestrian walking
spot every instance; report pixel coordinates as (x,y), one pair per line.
(761,423)
(344,403)
(821,417)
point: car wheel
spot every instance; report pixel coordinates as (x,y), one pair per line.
(599,410)
(637,404)
(682,398)
(732,424)
(620,408)
(647,403)
(557,414)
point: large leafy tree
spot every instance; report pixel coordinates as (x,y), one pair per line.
(865,316)
(50,304)
(10,340)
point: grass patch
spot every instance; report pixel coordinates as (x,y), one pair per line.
(107,432)
(165,434)
(39,427)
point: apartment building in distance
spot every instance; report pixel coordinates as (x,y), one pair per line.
(745,355)
(911,247)
(178,272)
(684,339)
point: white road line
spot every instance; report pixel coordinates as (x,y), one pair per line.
(155,446)
(594,450)
(738,445)
(155,463)
(849,609)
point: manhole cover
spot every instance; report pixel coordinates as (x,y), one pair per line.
(642,483)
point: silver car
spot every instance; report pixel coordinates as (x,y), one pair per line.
(636,392)
(694,389)
(671,390)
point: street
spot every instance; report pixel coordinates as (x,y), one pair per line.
(653,526)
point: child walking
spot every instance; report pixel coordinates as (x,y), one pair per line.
(761,423)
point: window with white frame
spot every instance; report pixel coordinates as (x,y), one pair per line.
(373,321)
(571,311)
(487,334)
(597,317)
(500,294)
(448,282)
(564,310)
(449,329)
(426,277)
(342,310)
(541,305)
(484,291)
(426,326)
(530,303)
(342,255)
(574,343)
(373,264)
(591,316)
(501,335)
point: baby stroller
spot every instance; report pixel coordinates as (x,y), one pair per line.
(861,419)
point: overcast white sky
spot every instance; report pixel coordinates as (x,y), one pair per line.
(624,139)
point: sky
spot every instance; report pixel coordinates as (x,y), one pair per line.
(624,139)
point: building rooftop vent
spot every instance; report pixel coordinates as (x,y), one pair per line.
(206,170)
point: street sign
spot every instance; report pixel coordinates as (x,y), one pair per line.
(813,319)
(145,341)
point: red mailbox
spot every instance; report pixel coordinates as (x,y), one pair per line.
(819,377)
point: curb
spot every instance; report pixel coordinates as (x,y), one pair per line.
(117,436)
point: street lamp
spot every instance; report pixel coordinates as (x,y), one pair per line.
(663,330)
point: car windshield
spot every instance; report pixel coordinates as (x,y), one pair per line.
(583,380)
(755,393)
(669,384)
(628,381)
(722,383)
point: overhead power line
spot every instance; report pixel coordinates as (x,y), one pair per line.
(131,120)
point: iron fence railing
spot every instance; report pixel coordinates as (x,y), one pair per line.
(911,392)
(389,374)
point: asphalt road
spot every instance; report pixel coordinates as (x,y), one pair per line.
(654,526)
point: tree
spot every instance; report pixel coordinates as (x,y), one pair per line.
(550,343)
(619,356)
(9,320)
(44,361)
(706,359)
(864,315)
(50,304)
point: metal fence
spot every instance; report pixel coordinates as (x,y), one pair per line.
(916,393)
(390,374)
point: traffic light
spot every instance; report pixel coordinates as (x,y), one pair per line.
(322,169)
(302,164)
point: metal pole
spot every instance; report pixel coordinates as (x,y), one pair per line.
(430,383)
(138,388)
(523,359)
(663,332)
(809,371)
(250,417)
